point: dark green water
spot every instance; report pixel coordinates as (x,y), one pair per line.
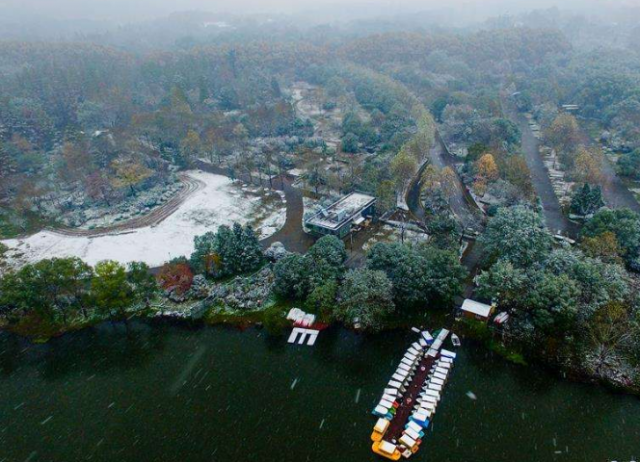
(167,393)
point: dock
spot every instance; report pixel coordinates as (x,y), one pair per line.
(305,327)
(300,336)
(409,402)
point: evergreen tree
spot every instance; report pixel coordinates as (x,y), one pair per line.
(292,276)
(366,297)
(227,252)
(110,288)
(587,200)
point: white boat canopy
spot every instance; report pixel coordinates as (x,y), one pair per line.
(380,409)
(433,393)
(386,403)
(448,354)
(414,426)
(387,447)
(407,441)
(412,433)
(435,386)
(440,375)
(381,425)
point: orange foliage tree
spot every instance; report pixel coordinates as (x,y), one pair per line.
(176,277)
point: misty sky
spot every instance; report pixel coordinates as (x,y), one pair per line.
(134,10)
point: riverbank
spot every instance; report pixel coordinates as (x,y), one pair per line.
(272,320)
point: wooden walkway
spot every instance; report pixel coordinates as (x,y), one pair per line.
(405,409)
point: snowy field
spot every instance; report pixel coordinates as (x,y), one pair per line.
(220,202)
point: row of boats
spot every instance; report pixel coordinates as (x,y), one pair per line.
(411,397)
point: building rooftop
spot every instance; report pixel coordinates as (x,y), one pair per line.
(342,211)
(478,308)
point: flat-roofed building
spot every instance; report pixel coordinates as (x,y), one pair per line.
(340,217)
(476,310)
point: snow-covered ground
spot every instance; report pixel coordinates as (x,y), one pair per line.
(220,202)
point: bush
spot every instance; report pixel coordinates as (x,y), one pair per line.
(176,277)
(274,320)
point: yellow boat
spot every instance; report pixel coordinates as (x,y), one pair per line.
(380,429)
(386,449)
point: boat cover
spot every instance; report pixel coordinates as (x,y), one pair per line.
(448,354)
(387,447)
(414,426)
(413,434)
(381,425)
(407,441)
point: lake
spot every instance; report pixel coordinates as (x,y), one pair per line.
(163,392)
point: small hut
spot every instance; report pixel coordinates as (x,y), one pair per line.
(476,310)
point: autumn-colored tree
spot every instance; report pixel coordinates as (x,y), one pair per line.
(588,166)
(7,168)
(176,277)
(129,173)
(430,179)
(486,172)
(610,329)
(403,167)
(179,103)
(449,181)
(516,171)
(216,144)
(109,289)
(76,161)
(191,145)
(605,247)
(20,142)
(240,132)
(563,135)
(385,192)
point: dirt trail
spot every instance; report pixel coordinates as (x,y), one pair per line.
(157,215)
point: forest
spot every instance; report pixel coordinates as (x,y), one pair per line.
(95,131)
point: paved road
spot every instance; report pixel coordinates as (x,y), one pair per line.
(615,192)
(554,217)
(461,203)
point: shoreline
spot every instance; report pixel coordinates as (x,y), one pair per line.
(258,320)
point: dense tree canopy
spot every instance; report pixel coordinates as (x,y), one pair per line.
(518,235)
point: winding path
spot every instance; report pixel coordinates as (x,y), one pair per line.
(157,215)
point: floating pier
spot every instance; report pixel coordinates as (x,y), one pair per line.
(300,336)
(305,329)
(409,402)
